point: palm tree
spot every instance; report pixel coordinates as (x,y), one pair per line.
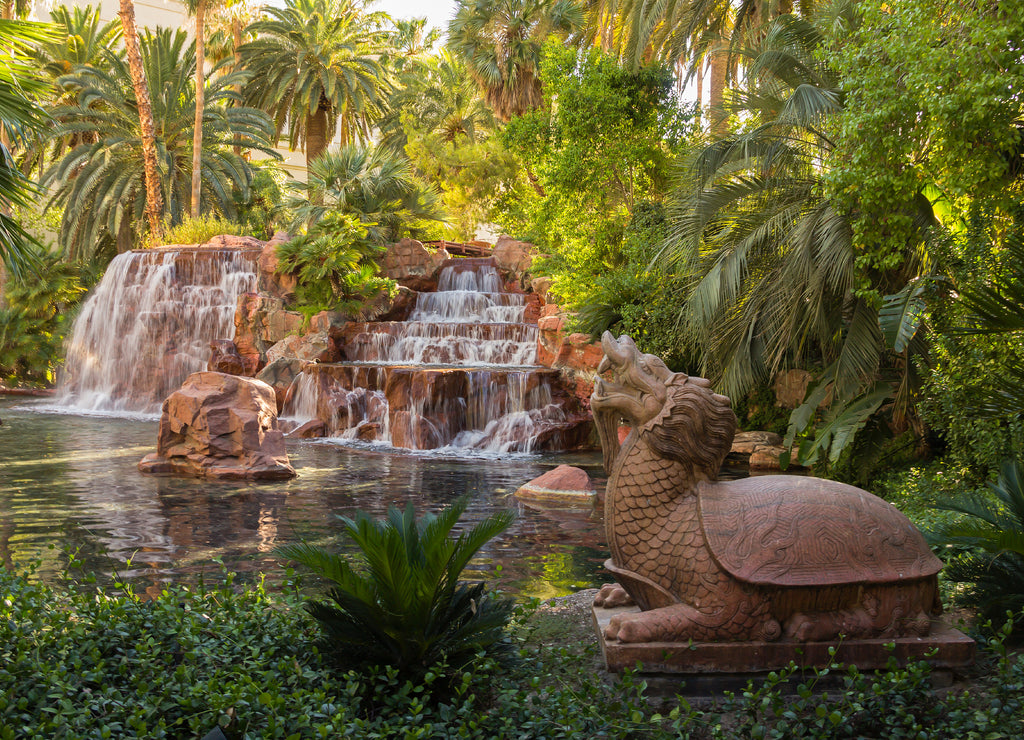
(81,40)
(316,68)
(19,118)
(100,182)
(154,199)
(501,44)
(371,183)
(774,273)
(438,97)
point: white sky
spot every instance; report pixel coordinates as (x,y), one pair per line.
(437,12)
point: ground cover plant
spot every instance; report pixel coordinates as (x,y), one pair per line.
(79,662)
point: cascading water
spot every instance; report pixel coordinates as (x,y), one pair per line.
(149,324)
(460,373)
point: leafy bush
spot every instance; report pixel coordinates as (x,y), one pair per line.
(899,702)
(334,264)
(405,606)
(76,662)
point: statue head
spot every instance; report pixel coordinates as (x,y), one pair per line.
(680,417)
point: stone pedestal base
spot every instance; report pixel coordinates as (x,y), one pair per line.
(718,665)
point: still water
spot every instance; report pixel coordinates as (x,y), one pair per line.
(69,483)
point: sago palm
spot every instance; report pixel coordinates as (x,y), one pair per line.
(401,604)
(991,533)
(371,183)
(316,67)
(100,183)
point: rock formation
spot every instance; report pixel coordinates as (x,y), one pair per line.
(220,426)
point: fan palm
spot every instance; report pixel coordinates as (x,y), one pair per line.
(316,68)
(438,97)
(100,185)
(774,270)
(501,45)
(20,116)
(371,183)
(404,605)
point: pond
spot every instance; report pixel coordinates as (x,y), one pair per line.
(69,483)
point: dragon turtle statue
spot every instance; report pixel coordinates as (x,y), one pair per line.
(760,558)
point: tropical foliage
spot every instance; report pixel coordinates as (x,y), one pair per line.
(404,605)
(99,183)
(37,316)
(501,45)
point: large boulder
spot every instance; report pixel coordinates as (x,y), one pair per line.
(279,375)
(261,321)
(316,346)
(220,426)
(269,280)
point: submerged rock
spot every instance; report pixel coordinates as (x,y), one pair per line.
(561,486)
(220,426)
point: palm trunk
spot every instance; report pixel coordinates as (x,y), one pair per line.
(154,200)
(236,37)
(197,132)
(716,88)
(316,135)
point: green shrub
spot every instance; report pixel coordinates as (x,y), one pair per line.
(335,265)
(405,606)
(76,662)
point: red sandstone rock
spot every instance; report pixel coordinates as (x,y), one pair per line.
(220,426)
(411,264)
(309,430)
(224,358)
(313,347)
(562,485)
(790,387)
(744,443)
(269,280)
(533,307)
(766,457)
(513,256)
(541,286)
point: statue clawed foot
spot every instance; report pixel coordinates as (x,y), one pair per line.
(612,595)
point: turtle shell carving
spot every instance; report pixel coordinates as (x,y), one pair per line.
(788,530)
(764,558)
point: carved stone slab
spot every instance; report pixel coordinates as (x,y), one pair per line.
(953,650)
(789,530)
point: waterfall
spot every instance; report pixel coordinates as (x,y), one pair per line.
(460,373)
(148,325)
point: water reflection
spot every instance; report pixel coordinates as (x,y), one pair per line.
(71,482)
